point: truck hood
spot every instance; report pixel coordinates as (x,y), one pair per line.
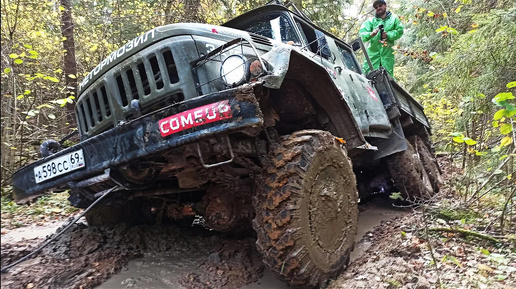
(155,35)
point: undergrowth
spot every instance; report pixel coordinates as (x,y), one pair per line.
(44,209)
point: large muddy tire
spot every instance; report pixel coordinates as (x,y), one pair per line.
(134,212)
(429,162)
(306,209)
(409,175)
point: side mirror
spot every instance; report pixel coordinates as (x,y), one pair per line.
(357,44)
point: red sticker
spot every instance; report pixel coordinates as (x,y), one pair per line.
(195,117)
(331,72)
(372,94)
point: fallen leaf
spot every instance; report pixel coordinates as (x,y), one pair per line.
(341,140)
(484,267)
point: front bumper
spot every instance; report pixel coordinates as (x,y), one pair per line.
(141,138)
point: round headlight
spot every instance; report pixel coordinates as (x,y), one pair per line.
(234,70)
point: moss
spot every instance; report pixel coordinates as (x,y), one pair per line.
(449,214)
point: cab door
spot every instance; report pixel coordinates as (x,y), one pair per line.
(322,49)
(365,97)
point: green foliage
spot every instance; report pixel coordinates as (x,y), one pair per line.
(458,58)
(31,76)
(460,138)
(327,14)
(46,208)
(396,196)
(505,118)
(453,214)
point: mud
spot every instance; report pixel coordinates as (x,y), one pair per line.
(235,264)
(390,263)
(391,252)
(85,257)
(229,264)
(166,256)
(402,255)
(373,216)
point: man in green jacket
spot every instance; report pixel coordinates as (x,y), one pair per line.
(382,30)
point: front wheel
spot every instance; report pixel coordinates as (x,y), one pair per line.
(306,209)
(131,212)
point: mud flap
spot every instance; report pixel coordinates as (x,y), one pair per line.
(395,143)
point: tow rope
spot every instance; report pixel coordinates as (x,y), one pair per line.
(28,256)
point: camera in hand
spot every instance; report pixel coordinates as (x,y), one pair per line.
(381,31)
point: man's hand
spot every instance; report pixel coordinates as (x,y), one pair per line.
(384,35)
(373,34)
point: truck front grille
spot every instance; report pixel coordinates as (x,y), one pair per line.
(94,107)
(152,78)
(139,80)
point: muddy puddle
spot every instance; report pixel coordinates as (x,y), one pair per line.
(372,215)
(159,272)
(153,257)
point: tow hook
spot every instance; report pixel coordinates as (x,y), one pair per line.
(218,145)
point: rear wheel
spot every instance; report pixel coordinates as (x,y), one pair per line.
(429,162)
(306,209)
(409,175)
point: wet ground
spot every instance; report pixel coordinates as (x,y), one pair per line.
(392,251)
(152,257)
(160,271)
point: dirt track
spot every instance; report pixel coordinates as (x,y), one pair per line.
(395,254)
(86,257)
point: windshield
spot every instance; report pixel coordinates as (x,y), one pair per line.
(348,59)
(275,26)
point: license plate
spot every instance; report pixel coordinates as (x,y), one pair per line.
(59,166)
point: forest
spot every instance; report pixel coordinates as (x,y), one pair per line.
(456,57)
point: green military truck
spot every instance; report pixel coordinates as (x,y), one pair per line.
(266,121)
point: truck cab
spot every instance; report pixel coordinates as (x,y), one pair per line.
(281,24)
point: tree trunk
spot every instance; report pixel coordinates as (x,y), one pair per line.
(168,13)
(70,65)
(192,10)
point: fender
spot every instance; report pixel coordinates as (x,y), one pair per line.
(288,64)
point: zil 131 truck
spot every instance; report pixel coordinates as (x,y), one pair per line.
(266,121)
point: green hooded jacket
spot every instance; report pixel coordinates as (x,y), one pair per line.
(378,53)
